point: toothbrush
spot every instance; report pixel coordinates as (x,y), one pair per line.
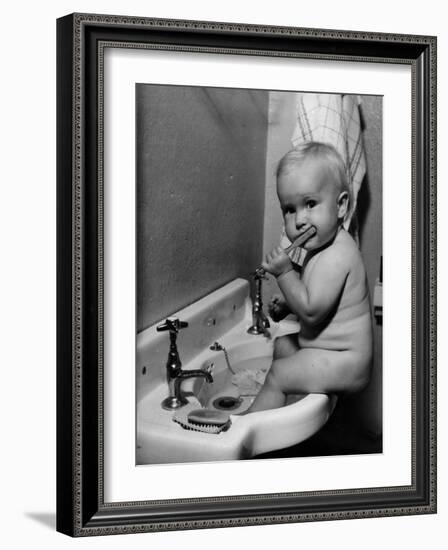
(307,232)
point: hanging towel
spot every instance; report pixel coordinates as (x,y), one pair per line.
(333,119)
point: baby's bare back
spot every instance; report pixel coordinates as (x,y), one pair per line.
(348,326)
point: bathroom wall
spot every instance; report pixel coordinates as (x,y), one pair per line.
(366,407)
(200,192)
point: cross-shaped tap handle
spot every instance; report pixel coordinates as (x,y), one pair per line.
(259,273)
(172,324)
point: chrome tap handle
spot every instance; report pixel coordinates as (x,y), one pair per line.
(258,274)
(173,363)
(172,324)
(260,322)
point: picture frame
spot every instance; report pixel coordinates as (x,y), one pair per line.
(81,506)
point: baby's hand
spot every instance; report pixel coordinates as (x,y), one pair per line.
(277,262)
(278,308)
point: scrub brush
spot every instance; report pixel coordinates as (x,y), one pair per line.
(202,420)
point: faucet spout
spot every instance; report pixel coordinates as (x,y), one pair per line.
(197,373)
(176,398)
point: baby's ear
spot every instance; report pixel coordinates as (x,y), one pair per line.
(343,204)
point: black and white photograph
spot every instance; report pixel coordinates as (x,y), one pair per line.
(258,274)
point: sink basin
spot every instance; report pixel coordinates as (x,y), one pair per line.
(161,440)
(236,384)
(234,392)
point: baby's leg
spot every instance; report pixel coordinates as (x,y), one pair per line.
(311,370)
(285,346)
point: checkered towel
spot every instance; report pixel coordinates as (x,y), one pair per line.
(333,119)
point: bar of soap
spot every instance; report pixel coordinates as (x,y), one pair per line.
(208,416)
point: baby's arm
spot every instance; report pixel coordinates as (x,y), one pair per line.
(312,302)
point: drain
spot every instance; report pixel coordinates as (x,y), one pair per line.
(227,402)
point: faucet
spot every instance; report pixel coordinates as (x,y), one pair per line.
(175,374)
(260,322)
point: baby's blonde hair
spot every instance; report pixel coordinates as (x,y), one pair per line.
(319,151)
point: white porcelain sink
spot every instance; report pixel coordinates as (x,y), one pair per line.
(161,440)
(228,391)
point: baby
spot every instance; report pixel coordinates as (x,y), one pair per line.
(333,351)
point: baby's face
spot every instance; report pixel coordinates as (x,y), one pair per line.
(309,195)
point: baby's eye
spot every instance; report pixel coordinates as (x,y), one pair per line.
(288,210)
(310,203)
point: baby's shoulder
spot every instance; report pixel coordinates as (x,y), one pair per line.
(344,247)
(342,256)
(344,238)
(347,250)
